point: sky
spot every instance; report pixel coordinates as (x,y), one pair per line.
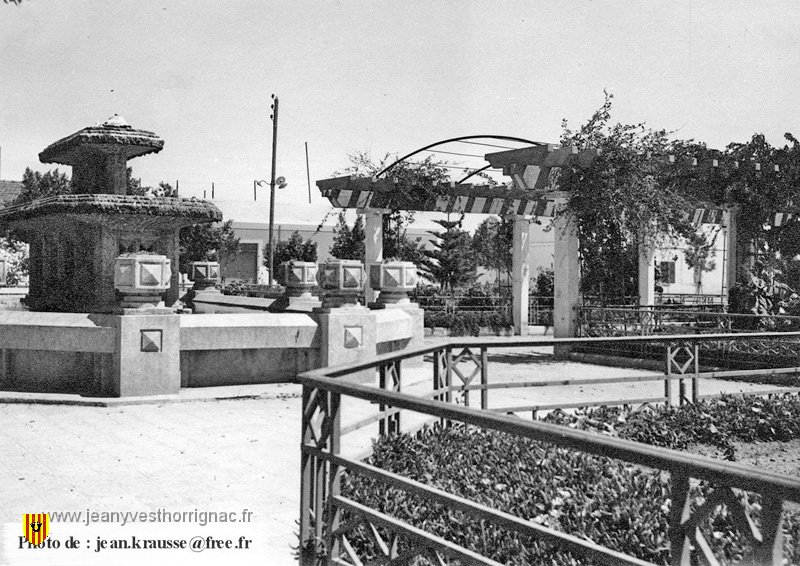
(381,77)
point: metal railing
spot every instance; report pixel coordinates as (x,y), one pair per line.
(460,366)
(732,352)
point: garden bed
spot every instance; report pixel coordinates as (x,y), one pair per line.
(613,503)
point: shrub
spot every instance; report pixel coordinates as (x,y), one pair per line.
(467,323)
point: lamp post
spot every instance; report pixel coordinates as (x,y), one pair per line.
(280,182)
(272,186)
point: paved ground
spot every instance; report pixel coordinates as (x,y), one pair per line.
(224,455)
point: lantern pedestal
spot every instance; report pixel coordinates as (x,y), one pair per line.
(348,331)
(395,280)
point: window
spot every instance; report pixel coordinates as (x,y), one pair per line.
(667,272)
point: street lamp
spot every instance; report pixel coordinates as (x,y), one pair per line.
(272,181)
(280,182)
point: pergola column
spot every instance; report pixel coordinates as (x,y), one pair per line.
(730,226)
(566,277)
(647,275)
(373,245)
(520,273)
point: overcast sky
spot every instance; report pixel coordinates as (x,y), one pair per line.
(381,76)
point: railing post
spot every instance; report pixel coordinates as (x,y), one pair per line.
(438,382)
(668,380)
(334,475)
(696,378)
(770,550)
(382,407)
(397,377)
(389,378)
(484,378)
(307,555)
(680,510)
(319,479)
(448,374)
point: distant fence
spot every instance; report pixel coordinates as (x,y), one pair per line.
(460,367)
(729,353)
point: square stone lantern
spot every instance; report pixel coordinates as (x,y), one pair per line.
(204,274)
(299,277)
(341,282)
(394,279)
(142,279)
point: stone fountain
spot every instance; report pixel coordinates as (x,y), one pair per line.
(104,282)
(75,239)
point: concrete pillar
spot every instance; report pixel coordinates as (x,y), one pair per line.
(566,278)
(520,274)
(116,174)
(373,244)
(647,275)
(730,226)
(105,254)
(347,335)
(147,356)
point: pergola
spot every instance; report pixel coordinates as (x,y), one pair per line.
(533,192)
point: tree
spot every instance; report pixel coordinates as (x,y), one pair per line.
(36,185)
(206,242)
(348,243)
(451,263)
(295,248)
(493,244)
(420,178)
(631,195)
(15,255)
(699,255)
(135,187)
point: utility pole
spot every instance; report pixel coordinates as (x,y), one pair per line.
(274,117)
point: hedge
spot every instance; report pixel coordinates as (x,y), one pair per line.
(467,323)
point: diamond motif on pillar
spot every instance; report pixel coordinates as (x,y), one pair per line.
(353,336)
(151,340)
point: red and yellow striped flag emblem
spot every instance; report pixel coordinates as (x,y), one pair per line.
(36,527)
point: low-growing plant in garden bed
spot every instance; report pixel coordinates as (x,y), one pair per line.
(621,506)
(718,422)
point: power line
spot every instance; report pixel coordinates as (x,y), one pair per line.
(453,153)
(487,144)
(465,168)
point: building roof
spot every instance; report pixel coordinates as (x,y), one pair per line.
(9,190)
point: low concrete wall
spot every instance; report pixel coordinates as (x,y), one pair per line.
(215,302)
(54,352)
(137,354)
(232,349)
